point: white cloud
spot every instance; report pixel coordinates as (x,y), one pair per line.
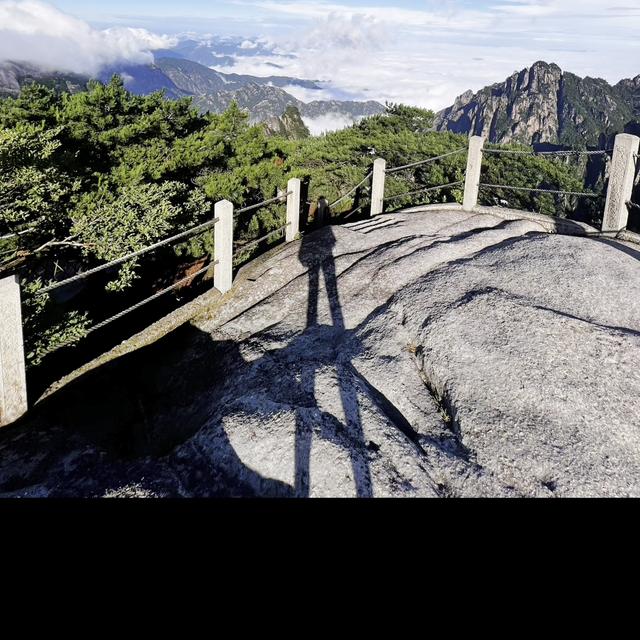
(432,53)
(308,95)
(38,33)
(327,123)
(425,55)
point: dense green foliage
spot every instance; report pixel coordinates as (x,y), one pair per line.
(590,108)
(90,177)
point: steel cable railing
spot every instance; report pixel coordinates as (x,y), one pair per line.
(366,203)
(254,243)
(130,256)
(253,207)
(104,323)
(187,279)
(532,153)
(518,152)
(346,195)
(585,194)
(427,161)
(424,190)
(419,163)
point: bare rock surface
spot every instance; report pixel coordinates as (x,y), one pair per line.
(431,354)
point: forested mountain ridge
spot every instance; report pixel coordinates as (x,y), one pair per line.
(262,97)
(545,105)
(14,76)
(212,90)
(204,79)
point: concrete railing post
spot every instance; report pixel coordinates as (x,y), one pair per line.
(13,379)
(623,169)
(377,186)
(223,234)
(293,209)
(474,169)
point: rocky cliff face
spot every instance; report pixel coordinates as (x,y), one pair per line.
(289,125)
(261,102)
(543,104)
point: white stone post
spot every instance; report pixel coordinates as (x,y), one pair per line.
(623,168)
(223,234)
(474,168)
(13,379)
(293,209)
(377,186)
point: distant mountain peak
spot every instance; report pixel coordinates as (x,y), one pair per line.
(289,125)
(542,104)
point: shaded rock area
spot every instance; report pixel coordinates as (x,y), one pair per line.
(434,354)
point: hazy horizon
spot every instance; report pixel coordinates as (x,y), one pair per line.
(417,52)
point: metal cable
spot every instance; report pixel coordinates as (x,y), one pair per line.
(547,153)
(9,251)
(360,208)
(585,194)
(254,243)
(130,256)
(263,204)
(427,161)
(633,205)
(16,235)
(146,301)
(346,195)
(424,190)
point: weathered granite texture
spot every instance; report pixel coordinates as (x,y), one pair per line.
(424,354)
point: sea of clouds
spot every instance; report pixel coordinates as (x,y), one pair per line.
(430,53)
(38,33)
(425,54)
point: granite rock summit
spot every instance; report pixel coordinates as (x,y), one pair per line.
(426,353)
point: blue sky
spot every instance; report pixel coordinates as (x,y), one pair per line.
(423,52)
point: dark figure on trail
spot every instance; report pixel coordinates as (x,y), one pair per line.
(306,207)
(323,213)
(316,261)
(317,256)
